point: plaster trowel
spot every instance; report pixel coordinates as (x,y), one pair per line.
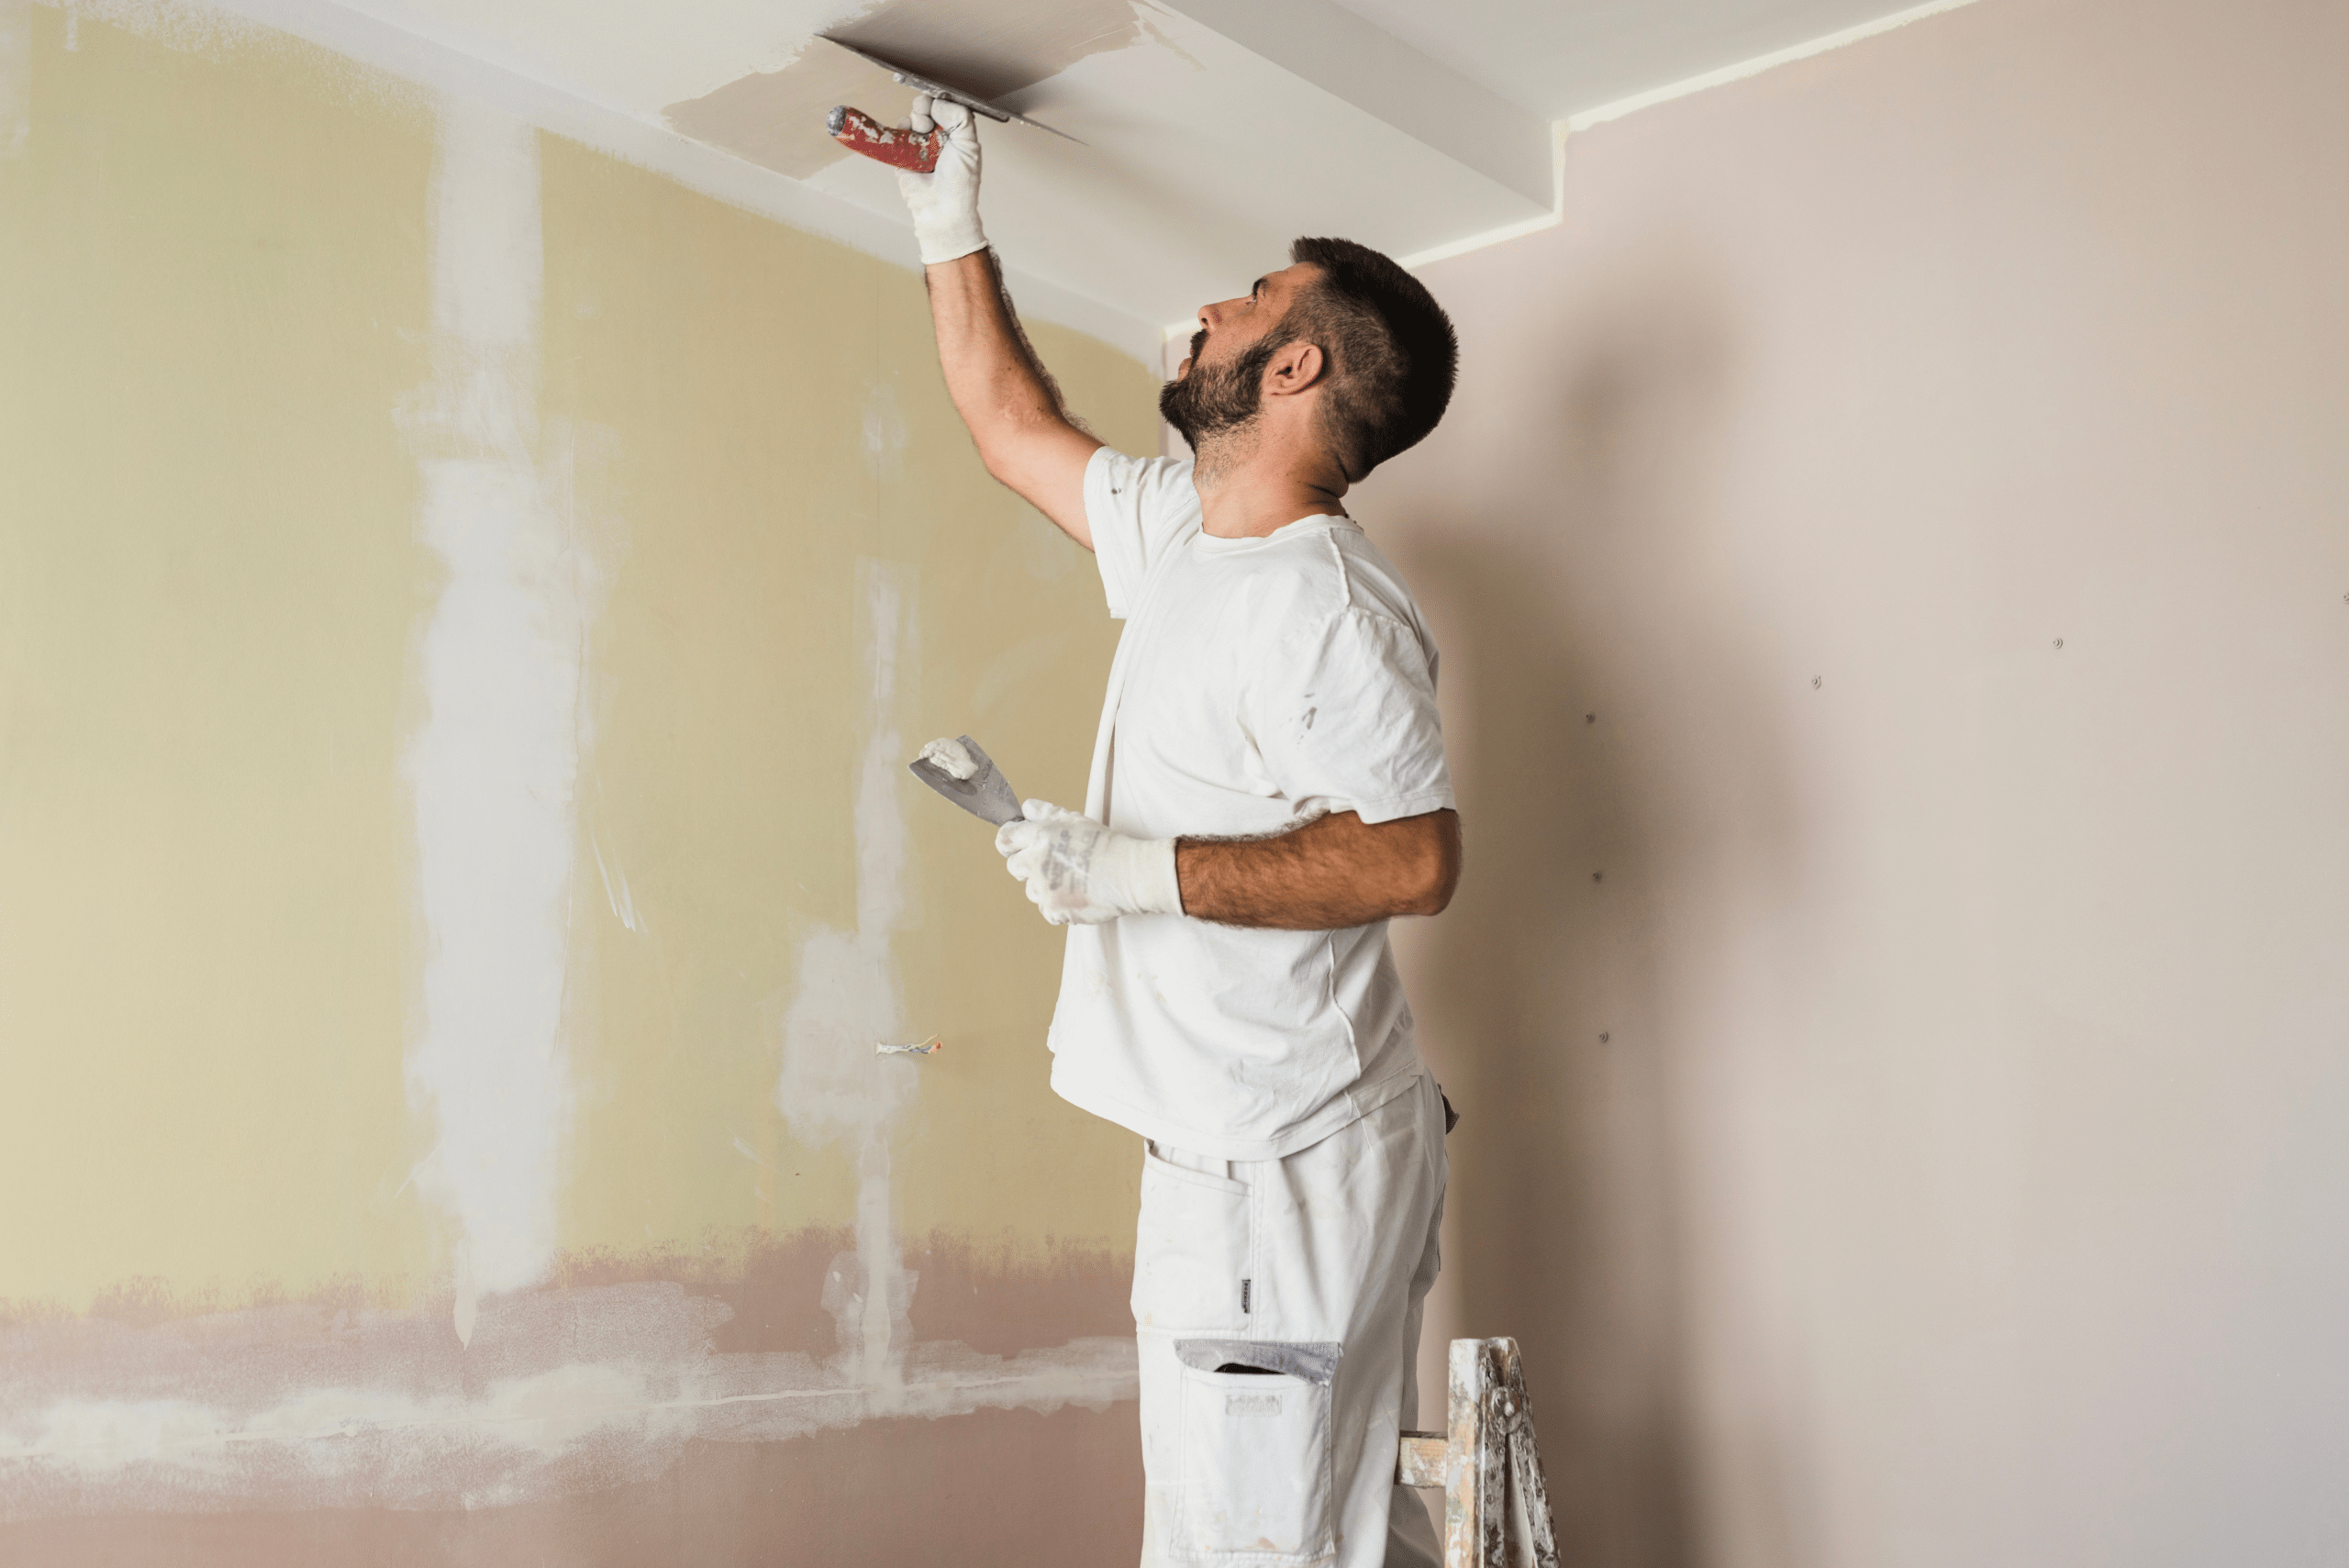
(895,145)
(983,793)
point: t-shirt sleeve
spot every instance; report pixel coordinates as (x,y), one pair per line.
(1138,508)
(1344,716)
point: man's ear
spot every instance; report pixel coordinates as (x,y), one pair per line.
(1299,366)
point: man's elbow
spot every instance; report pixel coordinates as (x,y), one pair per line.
(995,455)
(1008,448)
(1434,873)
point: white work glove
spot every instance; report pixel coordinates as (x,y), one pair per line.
(945,201)
(1080,872)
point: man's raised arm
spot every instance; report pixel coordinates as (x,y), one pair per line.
(1002,391)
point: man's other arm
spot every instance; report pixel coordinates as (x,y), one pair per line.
(1333,872)
(1011,405)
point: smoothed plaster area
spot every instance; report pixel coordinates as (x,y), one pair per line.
(777,117)
(558,1391)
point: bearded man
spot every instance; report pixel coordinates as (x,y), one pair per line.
(1268,790)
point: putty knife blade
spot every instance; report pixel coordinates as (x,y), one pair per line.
(986,794)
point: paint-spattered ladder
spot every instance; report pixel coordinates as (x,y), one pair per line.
(1496,1508)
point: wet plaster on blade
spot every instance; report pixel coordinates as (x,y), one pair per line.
(775,119)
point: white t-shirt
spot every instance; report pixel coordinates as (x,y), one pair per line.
(1258,681)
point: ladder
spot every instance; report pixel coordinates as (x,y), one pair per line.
(1496,1507)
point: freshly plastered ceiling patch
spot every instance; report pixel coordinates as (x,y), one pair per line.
(990,47)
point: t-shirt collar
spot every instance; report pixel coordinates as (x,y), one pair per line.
(1211,544)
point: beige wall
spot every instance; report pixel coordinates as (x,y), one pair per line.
(465,604)
(1925,1146)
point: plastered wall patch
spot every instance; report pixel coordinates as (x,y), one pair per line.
(561,1392)
(833,1088)
(493,769)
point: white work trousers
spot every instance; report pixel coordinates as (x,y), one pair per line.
(1310,1272)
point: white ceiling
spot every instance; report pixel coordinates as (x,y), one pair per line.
(1215,129)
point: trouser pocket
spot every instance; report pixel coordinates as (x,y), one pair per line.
(1255,1446)
(1191,1249)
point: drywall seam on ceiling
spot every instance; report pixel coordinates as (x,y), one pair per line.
(605,128)
(1584,119)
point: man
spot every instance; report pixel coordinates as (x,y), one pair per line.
(1268,789)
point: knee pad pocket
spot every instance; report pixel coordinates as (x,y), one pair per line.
(1256,1486)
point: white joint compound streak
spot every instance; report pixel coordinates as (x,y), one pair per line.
(833,1087)
(493,766)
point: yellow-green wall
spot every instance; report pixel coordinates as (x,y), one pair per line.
(216,276)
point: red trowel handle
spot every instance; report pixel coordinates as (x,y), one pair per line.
(893,145)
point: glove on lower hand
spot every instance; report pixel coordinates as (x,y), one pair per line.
(945,201)
(1081,873)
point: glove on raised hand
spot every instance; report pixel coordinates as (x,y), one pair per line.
(945,201)
(1081,873)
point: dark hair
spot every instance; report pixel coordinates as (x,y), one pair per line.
(1393,355)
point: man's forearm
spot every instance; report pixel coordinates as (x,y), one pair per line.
(1333,872)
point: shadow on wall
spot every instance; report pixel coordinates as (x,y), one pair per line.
(1607,771)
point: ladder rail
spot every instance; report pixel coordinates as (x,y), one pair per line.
(1496,1500)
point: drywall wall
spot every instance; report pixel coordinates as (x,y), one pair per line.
(466,603)
(1890,561)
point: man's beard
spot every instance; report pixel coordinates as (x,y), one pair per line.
(1215,400)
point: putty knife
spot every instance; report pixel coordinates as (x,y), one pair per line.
(986,794)
(896,146)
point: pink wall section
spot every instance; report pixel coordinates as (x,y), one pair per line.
(1900,1036)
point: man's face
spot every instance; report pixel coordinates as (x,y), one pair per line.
(1220,385)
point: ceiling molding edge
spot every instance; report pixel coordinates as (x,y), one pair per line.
(1584,119)
(1353,59)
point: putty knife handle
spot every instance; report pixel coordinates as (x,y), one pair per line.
(894,145)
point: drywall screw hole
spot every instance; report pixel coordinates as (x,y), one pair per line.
(1817,681)
(1593,719)
(1597,874)
(2059,642)
(1602,1039)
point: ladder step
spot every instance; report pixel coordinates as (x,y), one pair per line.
(1421,1462)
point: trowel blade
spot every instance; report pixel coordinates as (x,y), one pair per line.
(922,83)
(986,794)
